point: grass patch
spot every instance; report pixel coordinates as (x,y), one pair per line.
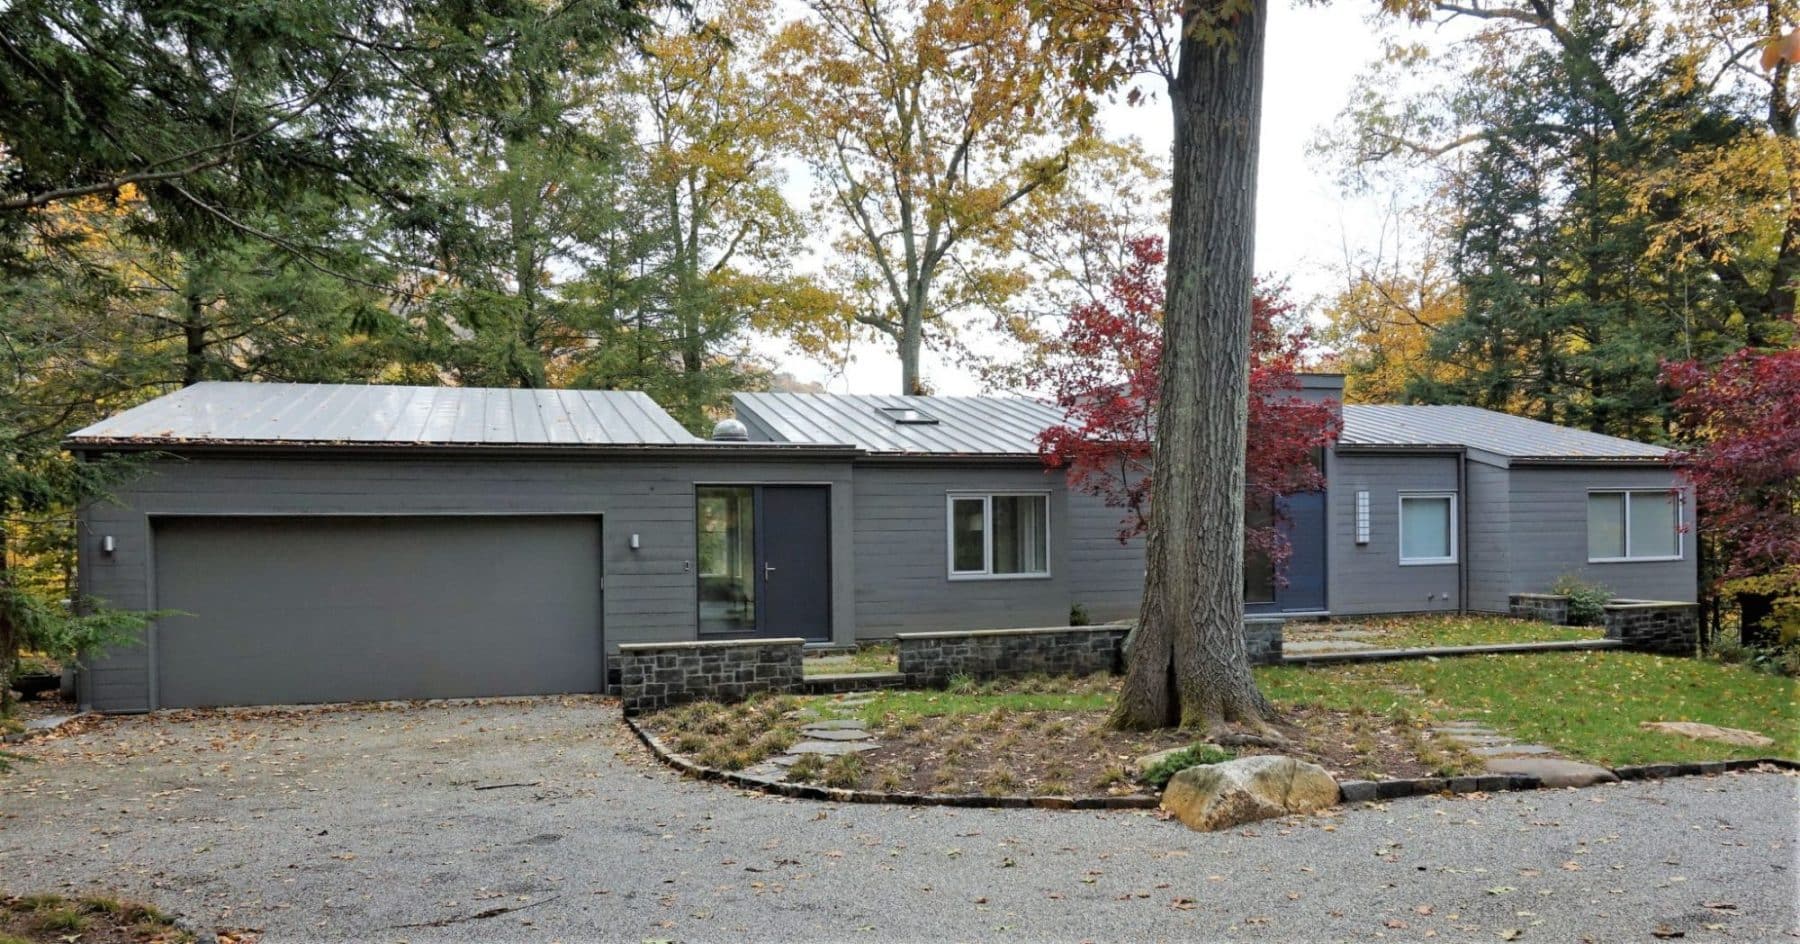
(870,657)
(44,919)
(1447,629)
(1587,705)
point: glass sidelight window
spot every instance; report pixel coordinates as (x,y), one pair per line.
(726,516)
(999,536)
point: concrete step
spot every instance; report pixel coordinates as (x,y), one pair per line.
(850,682)
(1445,652)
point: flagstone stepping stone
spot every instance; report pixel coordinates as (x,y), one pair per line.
(1508,750)
(1553,771)
(835,734)
(840,724)
(832,748)
(1482,740)
(1709,732)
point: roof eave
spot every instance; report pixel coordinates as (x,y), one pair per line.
(698,449)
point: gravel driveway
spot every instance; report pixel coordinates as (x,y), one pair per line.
(408,823)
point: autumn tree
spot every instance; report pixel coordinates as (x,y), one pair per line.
(1106,380)
(1188,661)
(1740,420)
(1382,323)
(1615,183)
(926,124)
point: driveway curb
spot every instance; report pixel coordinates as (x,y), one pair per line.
(1361,791)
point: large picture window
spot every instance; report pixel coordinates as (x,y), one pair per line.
(1630,525)
(999,536)
(1428,528)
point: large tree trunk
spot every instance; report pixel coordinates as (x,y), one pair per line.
(1188,663)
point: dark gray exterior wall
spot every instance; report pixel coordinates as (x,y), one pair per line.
(1105,576)
(902,546)
(1369,578)
(1489,541)
(1549,533)
(649,593)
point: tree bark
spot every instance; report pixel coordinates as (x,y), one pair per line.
(1188,663)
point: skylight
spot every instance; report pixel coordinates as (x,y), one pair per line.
(908,416)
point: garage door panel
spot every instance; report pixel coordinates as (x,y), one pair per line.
(279,610)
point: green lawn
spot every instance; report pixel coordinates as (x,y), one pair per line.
(874,657)
(1094,693)
(1587,705)
(1450,629)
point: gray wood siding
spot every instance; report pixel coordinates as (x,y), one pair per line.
(1105,576)
(902,542)
(1369,578)
(649,593)
(1489,536)
(1549,533)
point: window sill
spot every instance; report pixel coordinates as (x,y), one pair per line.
(962,577)
(1428,562)
(1634,560)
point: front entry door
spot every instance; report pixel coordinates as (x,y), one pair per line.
(764,560)
(796,561)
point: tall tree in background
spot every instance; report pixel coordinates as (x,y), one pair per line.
(926,123)
(712,186)
(1395,301)
(1188,662)
(1618,183)
(1105,377)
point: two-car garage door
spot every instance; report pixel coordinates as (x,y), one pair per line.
(314,609)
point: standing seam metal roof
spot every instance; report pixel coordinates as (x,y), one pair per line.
(1000,426)
(391,415)
(1503,434)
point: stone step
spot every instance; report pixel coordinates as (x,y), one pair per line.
(850,682)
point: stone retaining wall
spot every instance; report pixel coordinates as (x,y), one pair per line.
(1654,626)
(657,675)
(1544,607)
(929,660)
(1262,636)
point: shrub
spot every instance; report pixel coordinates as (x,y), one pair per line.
(1198,755)
(1587,601)
(1078,615)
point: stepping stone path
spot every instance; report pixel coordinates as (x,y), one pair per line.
(828,738)
(1483,741)
(1341,640)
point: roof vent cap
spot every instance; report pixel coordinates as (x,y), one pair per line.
(730,430)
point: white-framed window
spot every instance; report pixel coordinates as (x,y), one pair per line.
(1427,528)
(1633,525)
(998,535)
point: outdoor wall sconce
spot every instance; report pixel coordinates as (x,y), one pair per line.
(106,545)
(634,542)
(1362,517)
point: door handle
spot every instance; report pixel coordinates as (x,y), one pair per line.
(767,570)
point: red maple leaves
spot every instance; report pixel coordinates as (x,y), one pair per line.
(1105,380)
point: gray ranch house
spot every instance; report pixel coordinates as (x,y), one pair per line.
(315,543)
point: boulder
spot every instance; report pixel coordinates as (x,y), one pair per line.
(1220,796)
(1553,772)
(1709,732)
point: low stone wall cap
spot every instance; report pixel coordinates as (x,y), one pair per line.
(1027,631)
(709,644)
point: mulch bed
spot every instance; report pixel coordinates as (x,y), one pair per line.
(1034,752)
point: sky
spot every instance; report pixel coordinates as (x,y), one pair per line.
(1304,222)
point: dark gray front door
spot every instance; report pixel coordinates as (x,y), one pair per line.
(796,561)
(318,609)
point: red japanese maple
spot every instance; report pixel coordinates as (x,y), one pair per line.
(1105,380)
(1743,416)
